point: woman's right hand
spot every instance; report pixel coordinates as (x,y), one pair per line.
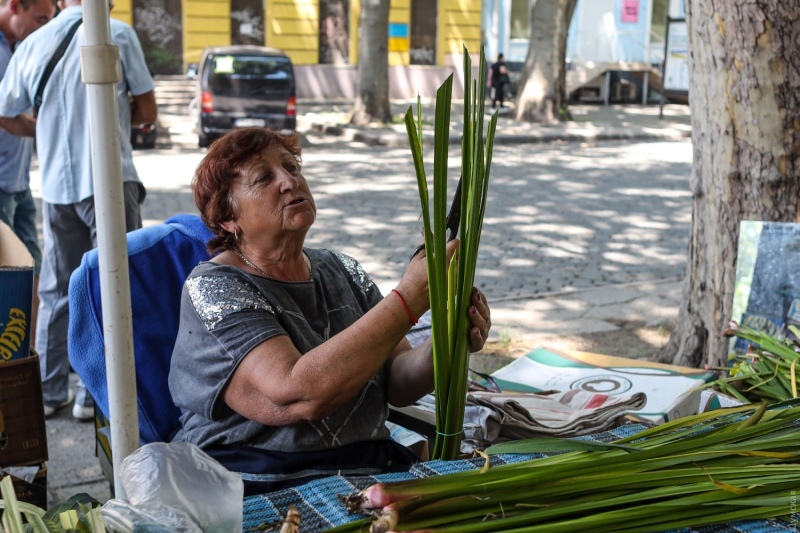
(414,284)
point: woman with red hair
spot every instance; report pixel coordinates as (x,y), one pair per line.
(287,356)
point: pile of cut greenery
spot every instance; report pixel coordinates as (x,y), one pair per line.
(715,467)
(767,373)
(79,514)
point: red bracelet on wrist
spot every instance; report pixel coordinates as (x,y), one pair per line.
(408,311)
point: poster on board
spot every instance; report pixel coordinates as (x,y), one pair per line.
(676,67)
(630,11)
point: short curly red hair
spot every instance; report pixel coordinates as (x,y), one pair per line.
(213,181)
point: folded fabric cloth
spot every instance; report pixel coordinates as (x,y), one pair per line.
(525,416)
(481,424)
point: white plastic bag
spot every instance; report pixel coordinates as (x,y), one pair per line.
(122,517)
(183,489)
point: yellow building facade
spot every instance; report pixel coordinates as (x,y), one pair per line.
(310,32)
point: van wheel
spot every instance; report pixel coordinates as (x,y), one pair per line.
(203,141)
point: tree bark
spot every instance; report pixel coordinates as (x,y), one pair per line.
(542,96)
(744,70)
(372,100)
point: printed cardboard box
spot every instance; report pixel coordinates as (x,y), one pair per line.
(671,390)
(29,488)
(23,437)
(16,296)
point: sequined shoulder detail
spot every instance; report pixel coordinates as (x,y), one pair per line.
(215,297)
(355,270)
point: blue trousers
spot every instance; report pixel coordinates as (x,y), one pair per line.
(19,212)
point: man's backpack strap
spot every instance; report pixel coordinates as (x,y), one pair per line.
(51,65)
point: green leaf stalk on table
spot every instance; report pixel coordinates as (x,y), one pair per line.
(721,466)
(450,285)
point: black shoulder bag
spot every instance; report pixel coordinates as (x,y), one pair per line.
(51,65)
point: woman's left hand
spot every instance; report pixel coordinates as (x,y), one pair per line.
(480,317)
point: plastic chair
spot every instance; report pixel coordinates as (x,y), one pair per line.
(161,258)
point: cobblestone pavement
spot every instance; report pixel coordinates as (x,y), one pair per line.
(591,123)
(559,217)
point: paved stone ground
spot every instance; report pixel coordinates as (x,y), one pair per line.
(576,237)
(560,217)
(589,124)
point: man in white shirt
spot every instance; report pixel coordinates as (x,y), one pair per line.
(64,151)
(18,19)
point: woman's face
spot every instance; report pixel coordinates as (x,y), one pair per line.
(272,197)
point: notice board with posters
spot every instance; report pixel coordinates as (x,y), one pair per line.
(676,66)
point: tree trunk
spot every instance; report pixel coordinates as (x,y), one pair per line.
(542,96)
(744,71)
(372,101)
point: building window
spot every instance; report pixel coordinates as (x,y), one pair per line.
(247,22)
(520,19)
(334,42)
(158,26)
(423,32)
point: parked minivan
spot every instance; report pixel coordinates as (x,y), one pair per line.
(240,86)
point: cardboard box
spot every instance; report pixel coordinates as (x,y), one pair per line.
(33,491)
(671,390)
(23,437)
(16,296)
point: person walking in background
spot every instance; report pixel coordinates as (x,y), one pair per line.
(498,79)
(63,148)
(18,19)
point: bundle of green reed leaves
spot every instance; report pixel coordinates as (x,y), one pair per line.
(451,285)
(61,518)
(768,372)
(715,467)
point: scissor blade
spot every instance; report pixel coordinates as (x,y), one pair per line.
(454,216)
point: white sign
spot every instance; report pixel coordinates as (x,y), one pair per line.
(676,67)
(677,9)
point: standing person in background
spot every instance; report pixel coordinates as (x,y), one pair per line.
(498,79)
(18,19)
(64,151)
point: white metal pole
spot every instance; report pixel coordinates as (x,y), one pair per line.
(100,71)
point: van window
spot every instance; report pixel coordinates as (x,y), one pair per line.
(243,75)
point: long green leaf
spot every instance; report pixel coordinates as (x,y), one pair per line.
(94,519)
(551,445)
(12,512)
(422,184)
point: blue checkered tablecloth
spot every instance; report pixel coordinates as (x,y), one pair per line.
(321,508)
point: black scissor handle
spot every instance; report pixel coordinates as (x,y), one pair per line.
(417,250)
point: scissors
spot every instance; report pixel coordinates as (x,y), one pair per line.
(453,219)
